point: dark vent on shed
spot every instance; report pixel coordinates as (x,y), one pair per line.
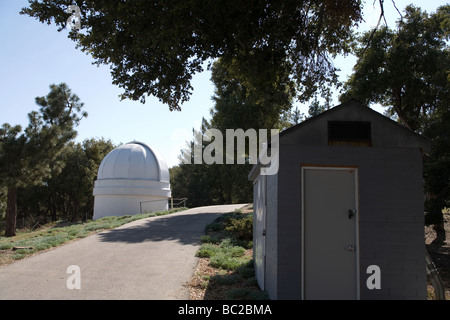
(354,133)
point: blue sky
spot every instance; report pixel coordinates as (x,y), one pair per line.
(34,55)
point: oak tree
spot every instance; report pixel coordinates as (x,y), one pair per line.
(155,47)
(407,70)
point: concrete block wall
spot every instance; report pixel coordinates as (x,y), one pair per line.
(289,225)
(390,217)
(271,237)
(392,225)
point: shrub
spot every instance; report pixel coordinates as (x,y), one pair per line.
(225,255)
(235,251)
(208,239)
(247,270)
(226,279)
(207,250)
(215,226)
(242,228)
(226,261)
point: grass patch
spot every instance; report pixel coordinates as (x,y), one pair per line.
(227,260)
(58,233)
(227,270)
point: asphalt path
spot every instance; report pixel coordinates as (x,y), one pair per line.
(149,259)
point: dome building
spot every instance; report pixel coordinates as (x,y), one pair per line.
(132,178)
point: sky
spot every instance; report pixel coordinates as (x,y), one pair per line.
(34,55)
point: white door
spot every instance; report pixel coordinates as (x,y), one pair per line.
(260,231)
(330,258)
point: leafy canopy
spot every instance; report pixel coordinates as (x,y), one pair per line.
(405,70)
(155,47)
(408,71)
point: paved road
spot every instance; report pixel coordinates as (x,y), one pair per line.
(150,259)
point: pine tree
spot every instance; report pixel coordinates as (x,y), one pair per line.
(28,157)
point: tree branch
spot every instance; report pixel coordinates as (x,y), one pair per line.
(382,16)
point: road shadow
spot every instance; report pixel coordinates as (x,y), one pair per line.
(184,228)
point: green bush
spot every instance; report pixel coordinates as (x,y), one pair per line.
(225,279)
(242,228)
(215,226)
(6,246)
(224,255)
(229,237)
(247,270)
(207,250)
(208,239)
(227,261)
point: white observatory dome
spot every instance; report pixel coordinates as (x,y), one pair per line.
(132,178)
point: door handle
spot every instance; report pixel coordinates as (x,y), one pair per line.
(350,248)
(351,213)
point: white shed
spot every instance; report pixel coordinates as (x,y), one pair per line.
(132,178)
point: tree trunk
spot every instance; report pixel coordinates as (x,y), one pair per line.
(11,212)
(399,111)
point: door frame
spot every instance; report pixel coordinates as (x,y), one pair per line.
(357,258)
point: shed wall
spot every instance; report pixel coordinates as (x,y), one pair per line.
(271,237)
(268,198)
(259,210)
(390,217)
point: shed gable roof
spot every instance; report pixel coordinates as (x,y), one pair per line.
(385,132)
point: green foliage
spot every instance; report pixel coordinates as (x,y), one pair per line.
(239,104)
(437,169)
(227,253)
(315,108)
(226,261)
(407,71)
(243,103)
(241,228)
(215,226)
(209,239)
(207,250)
(226,279)
(223,255)
(67,193)
(28,158)
(224,243)
(209,184)
(155,47)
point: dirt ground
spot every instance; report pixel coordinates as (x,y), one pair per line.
(200,287)
(209,283)
(439,250)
